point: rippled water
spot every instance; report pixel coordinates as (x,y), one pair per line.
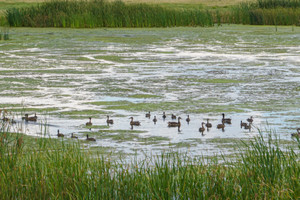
(242,71)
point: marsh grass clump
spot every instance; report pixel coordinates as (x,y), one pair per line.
(100,13)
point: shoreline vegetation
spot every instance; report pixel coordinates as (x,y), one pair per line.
(101,13)
(46,168)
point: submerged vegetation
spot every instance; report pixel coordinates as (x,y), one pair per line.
(52,168)
(101,13)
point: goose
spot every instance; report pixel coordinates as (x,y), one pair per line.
(188,119)
(73,136)
(243,124)
(208,125)
(164,115)
(27,118)
(60,134)
(109,121)
(154,120)
(226,120)
(134,123)
(175,124)
(89,123)
(250,119)
(247,127)
(173,116)
(221,126)
(202,129)
(148,114)
(90,139)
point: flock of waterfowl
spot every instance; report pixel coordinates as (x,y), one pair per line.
(204,125)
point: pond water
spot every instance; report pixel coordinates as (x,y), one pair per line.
(68,75)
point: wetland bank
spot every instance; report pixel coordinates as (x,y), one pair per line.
(68,75)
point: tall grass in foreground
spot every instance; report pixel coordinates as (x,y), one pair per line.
(54,169)
(100,13)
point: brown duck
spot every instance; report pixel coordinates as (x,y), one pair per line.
(89,123)
(164,115)
(173,116)
(154,120)
(175,124)
(188,119)
(148,114)
(202,129)
(89,138)
(243,124)
(208,125)
(226,120)
(60,134)
(250,119)
(109,121)
(27,118)
(73,136)
(134,123)
(221,126)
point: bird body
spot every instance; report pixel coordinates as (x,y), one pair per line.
(208,125)
(202,129)
(154,120)
(164,115)
(60,134)
(226,120)
(173,116)
(134,123)
(250,119)
(188,119)
(221,126)
(175,124)
(109,121)
(90,139)
(27,118)
(243,124)
(89,123)
(148,114)
(73,136)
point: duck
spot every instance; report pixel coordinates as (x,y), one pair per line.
(221,126)
(148,114)
(134,123)
(202,129)
(247,126)
(175,124)
(164,115)
(109,121)
(173,116)
(154,120)
(250,119)
(296,134)
(27,118)
(226,120)
(89,123)
(208,125)
(243,124)
(73,136)
(60,134)
(89,138)
(188,119)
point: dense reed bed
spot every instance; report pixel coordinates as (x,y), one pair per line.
(58,169)
(99,13)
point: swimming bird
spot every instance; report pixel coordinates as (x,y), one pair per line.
(173,116)
(90,139)
(221,126)
(202,129)
(243,124)
(134,123)
(60,134)
(208,125)
(154,120)
(73,136)
(296,134)
(109,121)
(148,114)
(250,119)
(27,118)
(175,124)
(164,115)
(188,119)
(89,123)
(247,127)
(226,120)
